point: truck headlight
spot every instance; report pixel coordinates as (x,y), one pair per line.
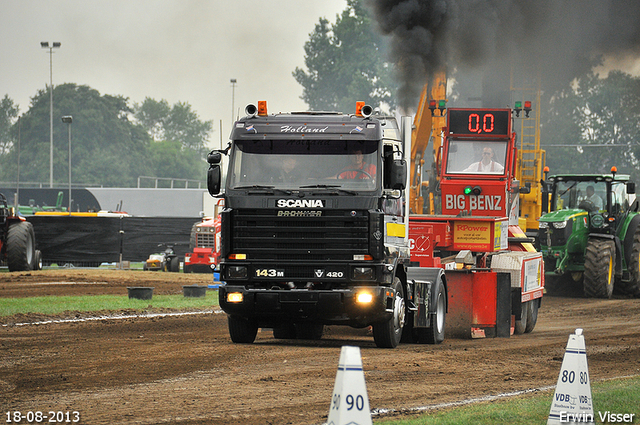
(363,273)
(560,224)
(237,272)
(235,297)
(364,297)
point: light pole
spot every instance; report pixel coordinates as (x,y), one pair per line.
(55,45)
(68,119)
(233,98)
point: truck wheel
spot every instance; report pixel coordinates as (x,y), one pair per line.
(599,267)
(241,330)
(435,334)
(532,315)
(284,331)
(521,325)
(308,330)
(21,244)
(387,334)
(632,287)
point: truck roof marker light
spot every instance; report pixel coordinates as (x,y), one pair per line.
(359,106)
(614,170)
(237,256)
(262,108)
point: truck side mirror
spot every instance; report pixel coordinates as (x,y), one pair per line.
(214,174)
(397,175)
(631,188)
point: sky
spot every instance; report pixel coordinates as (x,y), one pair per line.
(177,50)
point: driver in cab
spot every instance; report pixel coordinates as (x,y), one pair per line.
(358,168)
(486,165)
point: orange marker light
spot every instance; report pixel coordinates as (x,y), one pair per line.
(359,105)
(262,108)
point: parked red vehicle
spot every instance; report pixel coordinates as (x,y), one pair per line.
(204,246)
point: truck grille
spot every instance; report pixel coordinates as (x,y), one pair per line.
(205,240)
(263,235)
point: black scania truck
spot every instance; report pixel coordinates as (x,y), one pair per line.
(314,230)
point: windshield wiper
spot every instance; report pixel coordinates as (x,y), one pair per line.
(261,187)
(329,186)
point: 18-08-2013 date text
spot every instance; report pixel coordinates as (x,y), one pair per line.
(36,417)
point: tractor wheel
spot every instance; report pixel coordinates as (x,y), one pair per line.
(387,334)
(532,315)
(632,287)
(521,325)
(241,330)
(599,268)
(435,333)
(174,265)
(21,246)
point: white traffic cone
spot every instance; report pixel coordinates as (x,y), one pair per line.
(350,402)
(572,401)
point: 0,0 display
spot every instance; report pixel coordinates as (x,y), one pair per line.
(479,121)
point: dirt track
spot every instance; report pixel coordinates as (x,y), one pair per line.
(185,369)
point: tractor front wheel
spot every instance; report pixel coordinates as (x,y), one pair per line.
(599,268)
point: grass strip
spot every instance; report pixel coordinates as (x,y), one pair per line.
(92,303)
(616,396)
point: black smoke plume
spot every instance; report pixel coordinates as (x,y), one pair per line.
(564,38)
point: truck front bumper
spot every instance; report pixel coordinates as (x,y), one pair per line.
(356,306)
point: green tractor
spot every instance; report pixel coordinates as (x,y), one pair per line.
(591,234)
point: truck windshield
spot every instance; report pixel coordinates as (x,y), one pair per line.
(586,195)
(291,164)
(476,156)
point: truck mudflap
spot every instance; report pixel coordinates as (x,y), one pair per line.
(357,306)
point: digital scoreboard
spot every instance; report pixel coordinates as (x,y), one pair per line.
(494,122)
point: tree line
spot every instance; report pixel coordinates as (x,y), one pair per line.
(112,141)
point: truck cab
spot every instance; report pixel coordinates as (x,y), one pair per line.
(314,229)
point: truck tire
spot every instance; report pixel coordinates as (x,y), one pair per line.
(435,334)
(532,315)
(241,330)
(632,287)
(21,246)
(521,325)
(599,267)
(387,334)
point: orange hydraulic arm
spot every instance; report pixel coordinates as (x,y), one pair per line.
(427,124)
